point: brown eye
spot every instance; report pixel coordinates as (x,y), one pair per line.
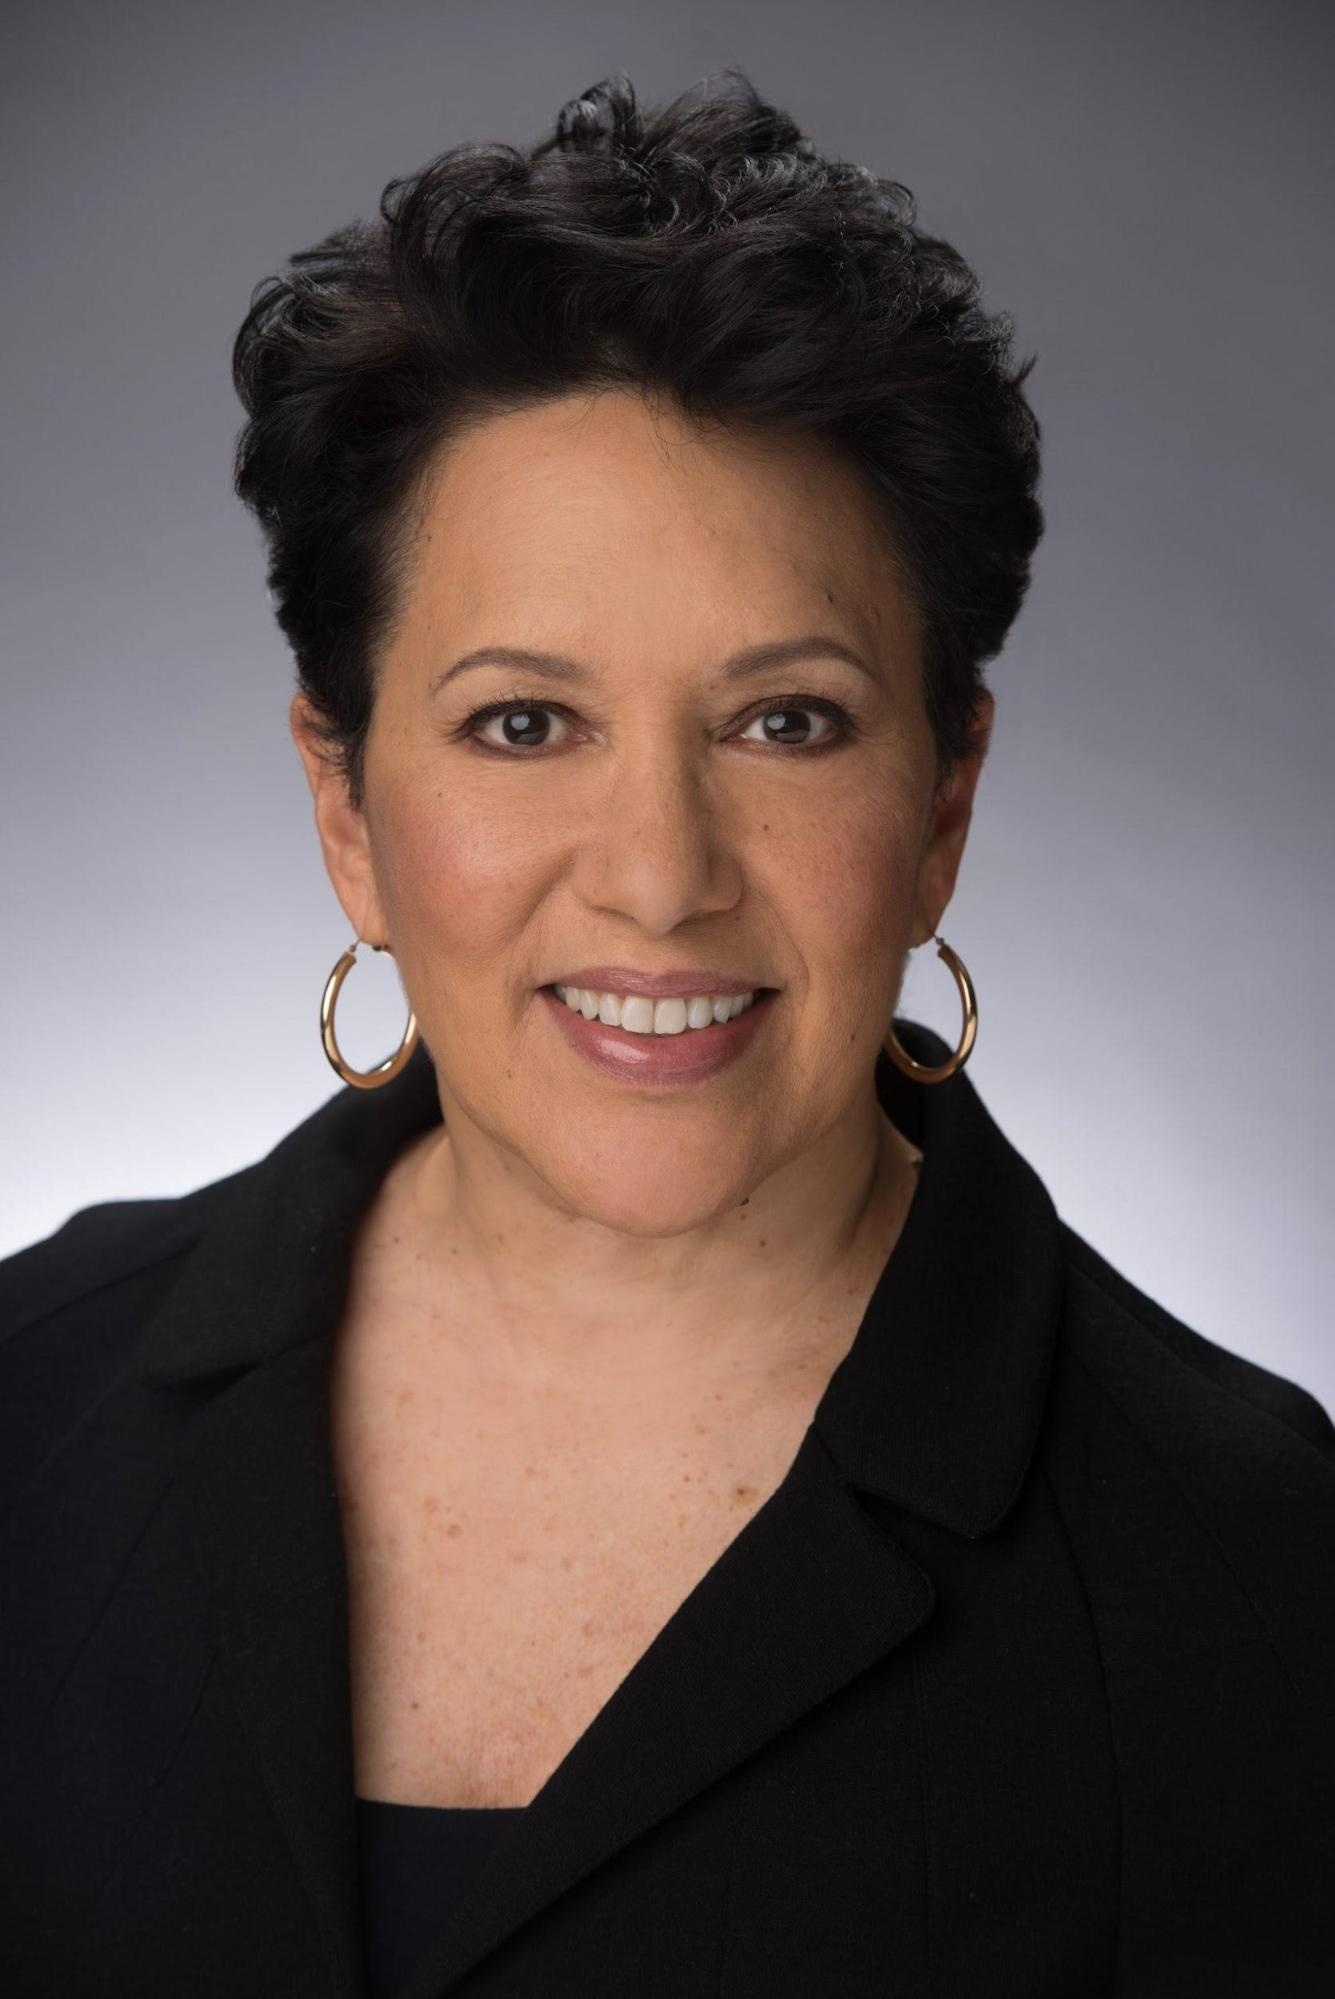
(792,727)
(523,728)
(516,725)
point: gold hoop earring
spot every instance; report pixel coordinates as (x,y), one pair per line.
(920,1071)
(384,1072)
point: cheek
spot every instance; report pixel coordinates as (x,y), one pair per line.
(845,877)
(455,877)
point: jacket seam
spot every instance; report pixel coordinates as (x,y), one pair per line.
(114,1586)
(1092,1622)
(257,1766)
(925,1794)
(1152,1451)
(128,1839)
(730,1892)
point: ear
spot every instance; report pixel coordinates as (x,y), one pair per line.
(342,829)
(944,850)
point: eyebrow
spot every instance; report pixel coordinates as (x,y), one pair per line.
(561,666)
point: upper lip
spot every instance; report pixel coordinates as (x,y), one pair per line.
(655,985)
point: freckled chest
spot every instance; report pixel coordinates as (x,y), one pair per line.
(503,1581)
(498,1597)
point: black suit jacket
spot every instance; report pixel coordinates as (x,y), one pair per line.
(1019,1684)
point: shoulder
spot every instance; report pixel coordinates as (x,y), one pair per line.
(72,1307)
(1197,1487)
(106,1245)
(1145,1359)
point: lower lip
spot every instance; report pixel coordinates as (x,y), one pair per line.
(692,1056)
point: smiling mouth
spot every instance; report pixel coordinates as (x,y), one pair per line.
(664,1019)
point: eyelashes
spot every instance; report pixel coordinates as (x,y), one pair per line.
(842,725)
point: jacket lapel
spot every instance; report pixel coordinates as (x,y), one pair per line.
(260,1488)
(807,1595)
(935,1408)
(249,1324)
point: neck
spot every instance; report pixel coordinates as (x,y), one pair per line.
(508,1292)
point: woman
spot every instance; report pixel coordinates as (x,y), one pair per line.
(641,1494)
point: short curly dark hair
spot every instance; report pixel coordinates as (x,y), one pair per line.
(705,249)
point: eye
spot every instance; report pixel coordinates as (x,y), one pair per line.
(524,728)
(779,722)
(522,725)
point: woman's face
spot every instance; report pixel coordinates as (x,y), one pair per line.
(637,810)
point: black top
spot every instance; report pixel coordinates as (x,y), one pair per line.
(1018,1683)
(415,1862)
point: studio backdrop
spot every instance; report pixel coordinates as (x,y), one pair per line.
(1146,900)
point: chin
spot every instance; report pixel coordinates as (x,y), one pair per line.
(652,1201)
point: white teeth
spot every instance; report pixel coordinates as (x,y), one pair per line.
(636,1013)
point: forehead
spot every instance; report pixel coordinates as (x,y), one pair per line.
(611,506)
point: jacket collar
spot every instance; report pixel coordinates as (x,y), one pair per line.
(935,1407)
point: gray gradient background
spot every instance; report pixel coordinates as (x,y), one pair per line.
(1146,901)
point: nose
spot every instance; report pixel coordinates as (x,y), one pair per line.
(658,846)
